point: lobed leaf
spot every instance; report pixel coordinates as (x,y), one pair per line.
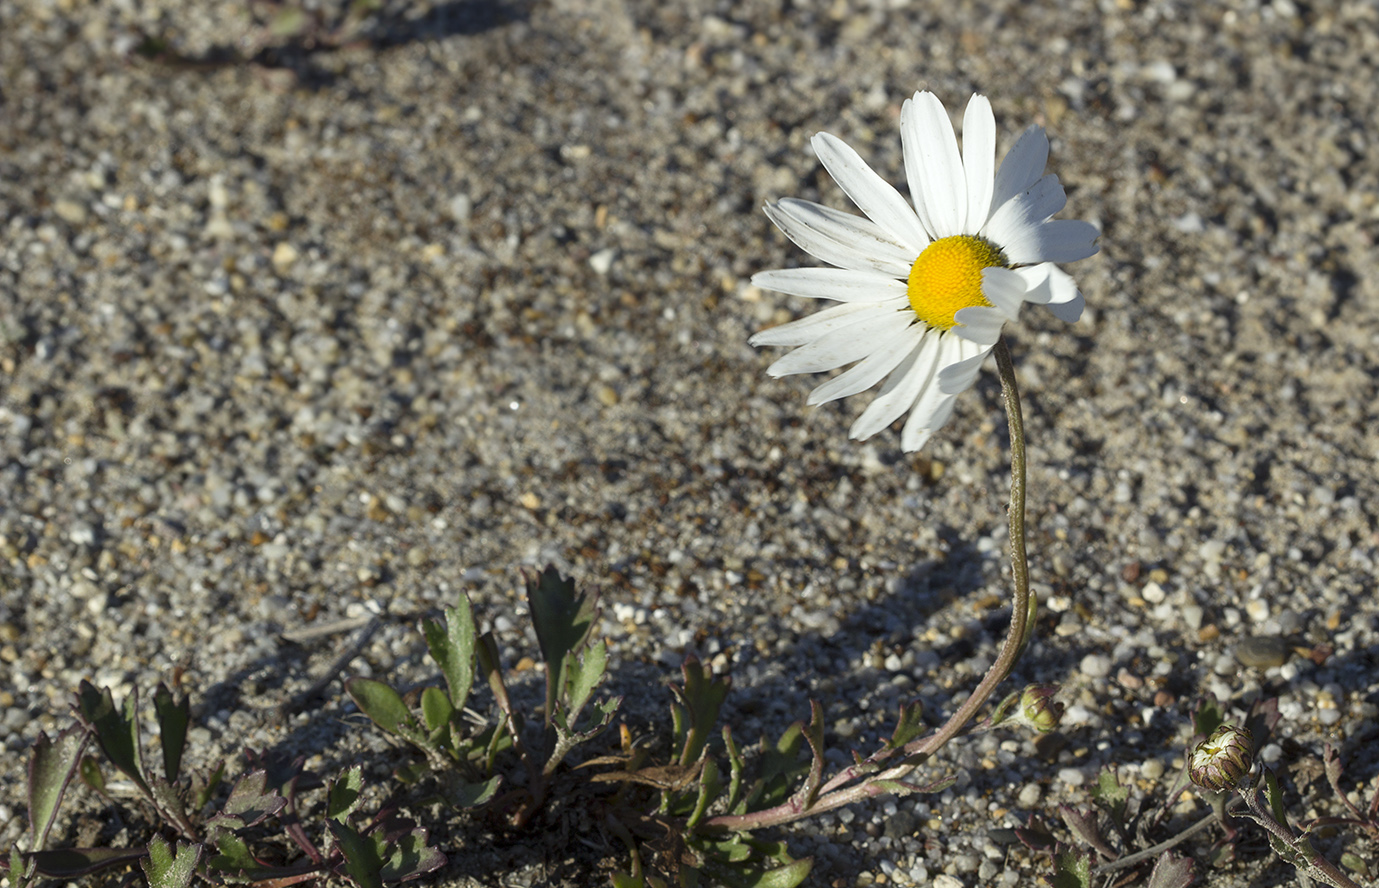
(1172,871)
(168,869)
(909,724)
(452,647)
(1110,795)
(51,767)
(702,696)
(410,858)
(363,860)
(344,793)
(563,620)
(251,802)
(1072,869)
(116,730)
(472,795)
(585,673)
(173,718)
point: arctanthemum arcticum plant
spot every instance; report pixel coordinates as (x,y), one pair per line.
(924,293)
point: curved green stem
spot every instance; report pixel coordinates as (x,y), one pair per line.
(873,782)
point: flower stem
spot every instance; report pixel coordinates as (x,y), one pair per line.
(1023,606)
(836,793)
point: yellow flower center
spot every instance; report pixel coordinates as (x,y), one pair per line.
(947,277)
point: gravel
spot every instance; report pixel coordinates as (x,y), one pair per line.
(298,330)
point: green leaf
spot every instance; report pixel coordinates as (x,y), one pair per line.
(563,620)
(235,858)
(1172,871)
(702,697)
(788,876)
(251,801)
(736,764)
(363,855)
(117,731)
(1072,869)
(436,710)
(203,788)
(51,767)
(382,704)
(19,872)
(710,785)
(91,775)
(168,870)
(173,717)
(409,857)
(472,795)
(779,768)
(1110,795)
(452,647)
(585,674)
(909,724)
(74,863)
(1355,863)
(344,793)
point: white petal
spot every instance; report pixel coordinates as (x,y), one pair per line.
(888,350)
(933,165)
(873,195)
(978,159)
(1004,289)
(1066,302)
(811,328)
(841,284)
(840,346)
(1036,282)
(979,324)
(1013,220)
(934,406)
(839,238)
(1060,240)
(1052,286)
(1068,311)
(901,389)
(958,377)
(1022,166)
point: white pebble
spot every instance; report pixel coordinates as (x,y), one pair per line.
(1029,796)
(1071,776)
(602,261)
(1096,666)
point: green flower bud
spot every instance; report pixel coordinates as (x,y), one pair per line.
(1039,710)
(1222,760)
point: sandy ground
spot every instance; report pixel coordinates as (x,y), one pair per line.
(298,329)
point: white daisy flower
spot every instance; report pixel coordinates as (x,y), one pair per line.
(923,292)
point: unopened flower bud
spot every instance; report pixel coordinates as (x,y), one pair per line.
(1222,760)
(1039,710)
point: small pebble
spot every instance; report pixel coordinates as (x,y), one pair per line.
(1096,666)
(1262,652)
(1071,776)
(1029,796)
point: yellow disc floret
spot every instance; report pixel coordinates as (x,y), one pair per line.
(947,277)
